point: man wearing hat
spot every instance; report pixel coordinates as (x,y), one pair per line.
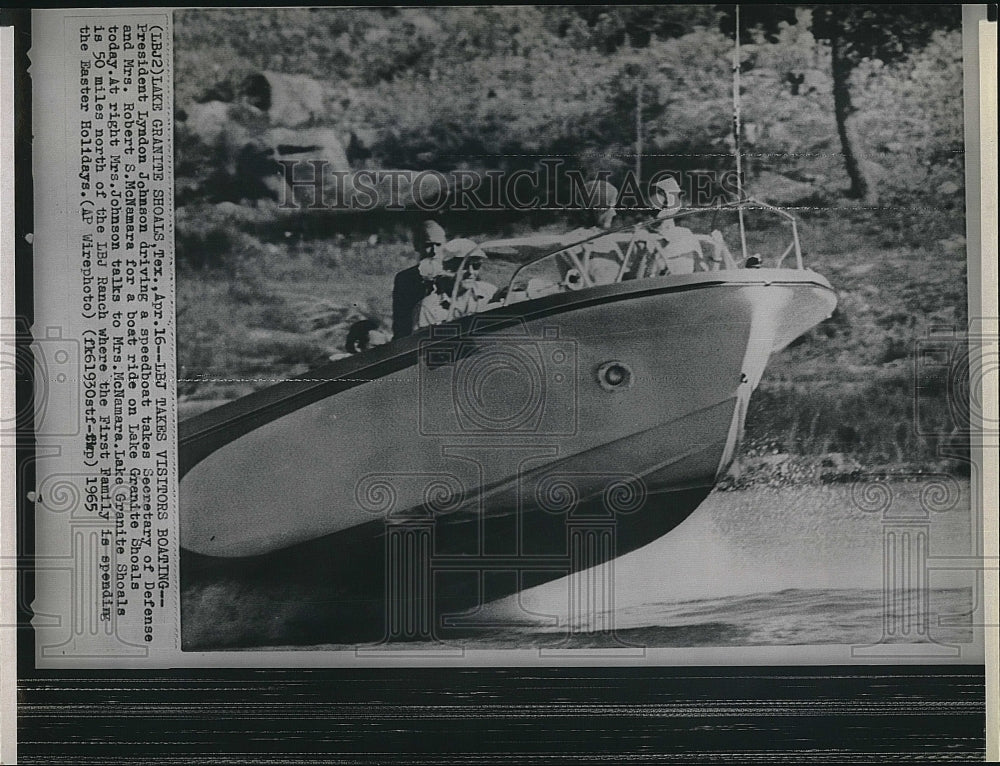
(412,285)
(465,259)
(666,198)
(458,290)
(676,249)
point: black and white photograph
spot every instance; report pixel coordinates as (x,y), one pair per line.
(498,384)
(614,328)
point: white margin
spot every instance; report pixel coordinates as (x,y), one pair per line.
(990,353)
(8,550)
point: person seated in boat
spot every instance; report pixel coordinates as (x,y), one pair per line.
(435,307)
(458,289)
(587,258)
(675,249)
(361,336)
(411,285)
(365,334)
(465,259)
(600,257)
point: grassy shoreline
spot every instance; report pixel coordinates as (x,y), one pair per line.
(853,392)
(786,470)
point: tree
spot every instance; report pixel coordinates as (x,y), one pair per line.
(858,32)
(855,33)
(762,20)
(610,27)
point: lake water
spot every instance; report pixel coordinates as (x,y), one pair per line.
(807,565)
(770,567)
(773,567)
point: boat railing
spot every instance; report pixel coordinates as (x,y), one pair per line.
(637,247)
(794,245)
(752,203)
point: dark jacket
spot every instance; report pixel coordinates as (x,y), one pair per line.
(408,289)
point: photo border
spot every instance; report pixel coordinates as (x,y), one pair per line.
(775,713)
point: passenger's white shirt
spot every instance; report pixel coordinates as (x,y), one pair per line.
(601,255)
(605,245)
(677,252)
(430,311)
(474,297)
(434,309)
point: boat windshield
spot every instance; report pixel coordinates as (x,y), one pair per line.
(691,242)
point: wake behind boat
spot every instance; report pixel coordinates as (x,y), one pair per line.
(569,402)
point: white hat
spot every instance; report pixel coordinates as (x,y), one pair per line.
(671,191)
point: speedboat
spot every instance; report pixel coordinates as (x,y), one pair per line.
(572,421)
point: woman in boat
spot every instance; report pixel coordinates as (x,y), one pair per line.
(599,256)
(435,308)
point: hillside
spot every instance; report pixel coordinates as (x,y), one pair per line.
(263,295)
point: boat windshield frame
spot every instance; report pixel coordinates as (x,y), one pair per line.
(728,263)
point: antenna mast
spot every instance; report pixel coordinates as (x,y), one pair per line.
(638,130)
(736,132)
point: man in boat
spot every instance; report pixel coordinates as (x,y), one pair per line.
(415,283)
(675,249)
(458,289)
(595,259)
(465,258)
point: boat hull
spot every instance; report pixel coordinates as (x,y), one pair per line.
(488,444)
(336,589)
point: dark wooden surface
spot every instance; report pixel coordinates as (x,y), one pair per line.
(531,716)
